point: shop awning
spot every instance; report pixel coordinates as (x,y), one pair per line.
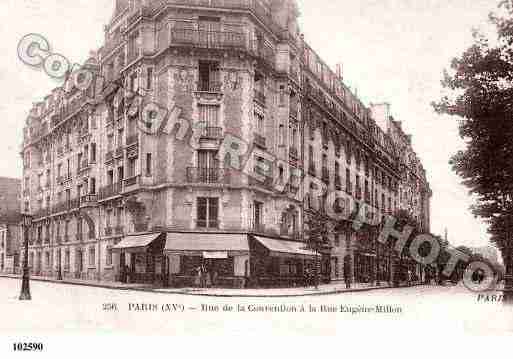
(136,243)
(207,245)
(282,248)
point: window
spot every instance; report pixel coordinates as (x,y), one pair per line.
(47,259)
(133,82)
(92,255)
(260,124)
(59,170)
(92,185)
(348,181)
(93,153)
(66,259)
(257,215)
(208,115)
(121,174)
(148,165)
(110,177)
(121,137)
(149,78)
(281,135)
(131,167)
(337,240)
(207,212)
(208,76)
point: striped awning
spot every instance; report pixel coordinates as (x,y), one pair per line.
(206,244)
(283,248)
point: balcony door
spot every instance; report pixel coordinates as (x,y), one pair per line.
(208,165)
(208,76)
(210,31)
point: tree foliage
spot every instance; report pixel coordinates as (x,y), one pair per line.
(480,83)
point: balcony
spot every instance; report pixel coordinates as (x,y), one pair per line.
(88,200)
(260,96)
(132,140)
(209,86)
(84,166)
(132,181)
(211,133)
(74,203)
(208,175)
(60,152)
(208,39)
(260,141)
(264,52)
(109,156)
(111,190)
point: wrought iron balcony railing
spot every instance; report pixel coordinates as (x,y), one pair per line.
(111,190)
(209,86)
(208,132)
(109,156)
(207,175)
(208,39)
(132,181)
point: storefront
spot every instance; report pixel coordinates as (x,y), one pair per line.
(141,259)
(208,260)
(281,263)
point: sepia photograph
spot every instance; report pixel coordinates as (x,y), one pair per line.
(252,169)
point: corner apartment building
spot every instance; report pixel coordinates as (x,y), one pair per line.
(116,198)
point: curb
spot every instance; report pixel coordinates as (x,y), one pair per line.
(161,291)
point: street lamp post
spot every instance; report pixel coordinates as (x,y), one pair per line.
(25,284)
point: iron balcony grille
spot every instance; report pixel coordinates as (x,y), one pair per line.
(207,175)
(208,39)
(211,132)
(209,86)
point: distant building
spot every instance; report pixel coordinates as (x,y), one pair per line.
(9,224)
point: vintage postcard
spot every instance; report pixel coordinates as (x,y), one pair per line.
(254,168)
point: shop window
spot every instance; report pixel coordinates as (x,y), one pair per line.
(92,256)
(108,258)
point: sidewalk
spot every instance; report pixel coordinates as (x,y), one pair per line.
(325,289)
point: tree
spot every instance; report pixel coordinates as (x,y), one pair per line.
(316,234)
(480,87)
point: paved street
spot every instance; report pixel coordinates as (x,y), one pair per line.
(67,307)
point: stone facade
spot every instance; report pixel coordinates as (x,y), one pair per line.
(245,88)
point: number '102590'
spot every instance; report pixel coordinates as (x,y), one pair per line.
(27,347)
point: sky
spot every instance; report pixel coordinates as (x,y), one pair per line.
(392,51)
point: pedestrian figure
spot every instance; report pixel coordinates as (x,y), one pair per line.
(197,278)
(347,272)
